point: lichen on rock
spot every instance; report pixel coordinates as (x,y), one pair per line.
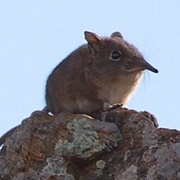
(83,142)
(126,145)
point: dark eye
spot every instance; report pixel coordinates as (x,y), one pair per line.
(116,55)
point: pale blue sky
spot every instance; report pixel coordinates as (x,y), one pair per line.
(36,35)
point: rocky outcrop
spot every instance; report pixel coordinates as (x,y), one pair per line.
(125,144)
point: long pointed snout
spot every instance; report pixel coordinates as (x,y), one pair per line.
(148,66)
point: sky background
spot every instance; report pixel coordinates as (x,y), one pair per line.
(36,35)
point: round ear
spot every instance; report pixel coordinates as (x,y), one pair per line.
(116,34)
(91,37)
(94,42)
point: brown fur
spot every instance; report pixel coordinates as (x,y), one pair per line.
(88,78)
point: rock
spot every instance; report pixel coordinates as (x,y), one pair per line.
(126,145)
